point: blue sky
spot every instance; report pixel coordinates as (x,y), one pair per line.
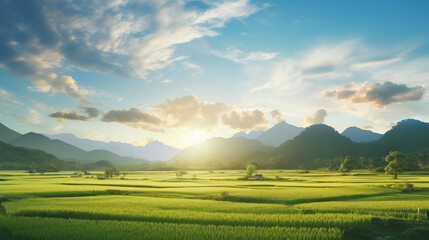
(182,71)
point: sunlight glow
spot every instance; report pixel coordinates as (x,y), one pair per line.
(196,137)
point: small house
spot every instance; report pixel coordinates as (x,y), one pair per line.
(259,177)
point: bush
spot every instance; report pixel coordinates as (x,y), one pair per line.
(224,196)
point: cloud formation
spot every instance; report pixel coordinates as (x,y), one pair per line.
(64,116)
(277,116)
(246,120)
(377,94)
(191,112)
(133,115)
(6,98)
(328,64)
(317,118)
(239,56)
(188,112)
(127,38)
(92,112)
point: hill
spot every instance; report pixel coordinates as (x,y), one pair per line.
(221,153)
(153,151)
(7,135)
(12,157)
(69,152)
(323,142)
(316,141)
(279,133)
(251,135)
(407,136)
(360,135)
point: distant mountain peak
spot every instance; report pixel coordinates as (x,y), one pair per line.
(279,133)
(360,135)
(251,135)
(154,151)
(410,121)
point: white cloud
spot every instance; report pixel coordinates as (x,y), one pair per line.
(317,118)
(377,94)
(7,98)
(277,116)
(260,56)
(239,56)
(125,38)
(189,113)
(222,12)
(34,116)
(43,106)
(343,62)
(167,81)
(375,64)
(246,120)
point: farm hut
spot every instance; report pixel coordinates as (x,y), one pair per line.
(259,177)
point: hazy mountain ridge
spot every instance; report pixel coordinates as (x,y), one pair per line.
(315,142)
(67,151)
(318,141)
(153,151)
(21,155)
(250,135)
(360,135)
(217,152)
(7,135)
(279,133)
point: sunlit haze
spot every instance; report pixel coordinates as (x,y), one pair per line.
(184,71)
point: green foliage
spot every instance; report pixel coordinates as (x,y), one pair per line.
(347,165)
(250,170)
(111,172)
(397,161)
(181,173)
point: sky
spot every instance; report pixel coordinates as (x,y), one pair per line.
(182,71)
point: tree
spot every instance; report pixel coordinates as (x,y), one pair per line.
(347,165)
(397,161)
(180,173)
(110,172)
(250,170)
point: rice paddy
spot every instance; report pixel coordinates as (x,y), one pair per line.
(214,205)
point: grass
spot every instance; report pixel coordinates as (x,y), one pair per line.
(213,205)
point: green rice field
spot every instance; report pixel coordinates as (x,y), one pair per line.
(288,204)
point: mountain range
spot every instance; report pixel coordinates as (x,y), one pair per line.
(61,149)
(219,153)
(69,152)
(315,142)
(153,151)
(282,131)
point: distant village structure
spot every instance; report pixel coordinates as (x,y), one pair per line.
(256,177)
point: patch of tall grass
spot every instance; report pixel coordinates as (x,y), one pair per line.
(54,228)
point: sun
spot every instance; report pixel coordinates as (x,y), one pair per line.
(196,137)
